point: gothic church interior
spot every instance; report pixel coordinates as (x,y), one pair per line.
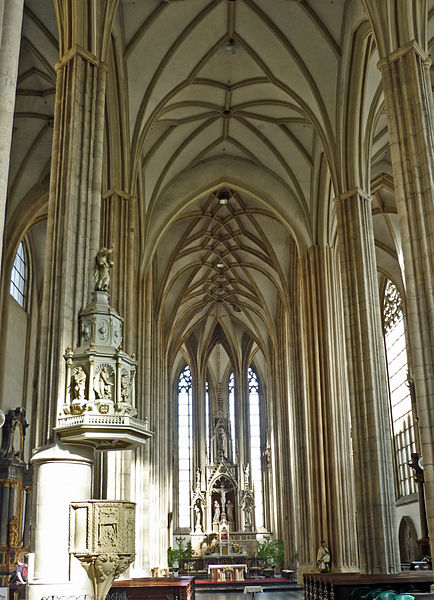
(260,178)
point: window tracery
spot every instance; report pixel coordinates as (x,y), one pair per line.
(255,442)
(185,422)
(231,398)
(400,399)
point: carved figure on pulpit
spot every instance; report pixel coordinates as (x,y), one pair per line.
(78,384)
(125,387)
(216,518)
(103,384)
(102,270)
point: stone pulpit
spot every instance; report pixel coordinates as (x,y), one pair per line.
(99,405)
(102,537)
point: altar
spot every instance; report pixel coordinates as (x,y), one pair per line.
(227,572)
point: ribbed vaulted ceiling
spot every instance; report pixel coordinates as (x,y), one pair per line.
(247,96)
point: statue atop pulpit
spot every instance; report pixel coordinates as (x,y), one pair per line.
(102,269)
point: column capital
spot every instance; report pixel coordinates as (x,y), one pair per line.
(77,50)
(354,192)
(117,192)
(394,56)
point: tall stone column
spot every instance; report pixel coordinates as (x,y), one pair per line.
(277,468)
(73,227)
(332,510)
(10,39)
(408,102)
(373,467)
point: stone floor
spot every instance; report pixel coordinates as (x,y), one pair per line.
(277,595)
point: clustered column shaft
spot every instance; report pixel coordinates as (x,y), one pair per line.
(331,507)
(373,468)
(408,102)
(10,40)
(73,215)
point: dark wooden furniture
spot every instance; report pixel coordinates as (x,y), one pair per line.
(153,588)
(339,586)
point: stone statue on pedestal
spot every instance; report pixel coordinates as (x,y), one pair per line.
(323,558)
(102,270)
(216,518)
(197,517)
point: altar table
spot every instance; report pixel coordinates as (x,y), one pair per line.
(221,572)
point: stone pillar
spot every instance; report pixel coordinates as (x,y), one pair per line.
(10,39)
(331,506)
(277,472)
(73,227)
(371,438)
(408,102)
(63,474)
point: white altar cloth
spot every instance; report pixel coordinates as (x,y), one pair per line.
(220,572)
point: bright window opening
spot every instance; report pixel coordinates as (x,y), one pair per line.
(185,424)
(19,276)
(400,399)
(255,444)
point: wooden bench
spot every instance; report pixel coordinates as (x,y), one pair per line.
(149,588)
(339,586)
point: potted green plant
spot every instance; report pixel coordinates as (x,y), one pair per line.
(271,553)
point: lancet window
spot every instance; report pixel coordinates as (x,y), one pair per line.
(19,276)
(207,423)
(231,400)
(400,399)
(185,431)
(255,442)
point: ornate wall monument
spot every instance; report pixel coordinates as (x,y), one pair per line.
(16,478)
